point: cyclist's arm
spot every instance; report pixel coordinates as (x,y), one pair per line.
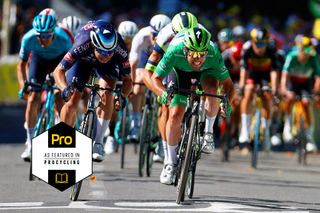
(228,88)
(135,52)
(274,80)
(285,73)
(60,77)
(23,59)
(22,72)
(126,85)
(243,69)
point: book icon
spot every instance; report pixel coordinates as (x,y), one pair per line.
(61,178)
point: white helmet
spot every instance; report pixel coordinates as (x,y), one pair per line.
(72,23)
(49,11)
(159,21)
(127,29)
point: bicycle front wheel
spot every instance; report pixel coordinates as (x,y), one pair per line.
(256,141)
(123,135)
(142,141)
(41,125)
(191,175)
(86,128)
(186,163)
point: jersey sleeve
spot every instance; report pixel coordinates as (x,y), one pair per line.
(154,58)
(25,48)
(78,50)
(287,63)
(136,47)
(220,68)
(316,66)
(167,62)
(123,58)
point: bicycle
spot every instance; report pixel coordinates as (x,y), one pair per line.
(300,125)
(258,131)
(149,138)
(46,118)
(88,124)
(191,144)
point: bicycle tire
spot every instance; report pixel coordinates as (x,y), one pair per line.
(302,152)
(149,158)
(123,136)
(86,128)
(226,142)
(142,142)
(186,163)
(191,176)
(41,127)
(256,140)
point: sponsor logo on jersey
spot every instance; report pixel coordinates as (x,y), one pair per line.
(121,52)
(82,48)
(68,57)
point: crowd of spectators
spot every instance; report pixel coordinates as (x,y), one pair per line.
(215,16)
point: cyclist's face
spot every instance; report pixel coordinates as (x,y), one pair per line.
(259,49)
(196,59)
(101,57)
(303,56)
(45,39)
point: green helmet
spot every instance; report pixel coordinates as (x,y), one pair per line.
(197,39)
(183,20)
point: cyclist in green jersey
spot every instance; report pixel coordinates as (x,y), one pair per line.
(192,56)
(300,76)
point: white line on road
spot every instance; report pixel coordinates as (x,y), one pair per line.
(157,207)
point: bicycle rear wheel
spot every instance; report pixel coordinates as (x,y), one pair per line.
(186,163)
(256,141)
(86,128)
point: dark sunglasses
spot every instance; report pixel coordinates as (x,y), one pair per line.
(197,54)
(45,35)
(104,52)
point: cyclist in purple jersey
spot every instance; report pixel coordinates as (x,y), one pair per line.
(97,48)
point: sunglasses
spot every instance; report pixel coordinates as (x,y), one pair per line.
(197,54)
(45,35)
(103,52)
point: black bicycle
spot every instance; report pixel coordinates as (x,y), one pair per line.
(191,144)
(87,126)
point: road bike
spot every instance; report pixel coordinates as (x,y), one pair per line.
(87,126)
(191,144)
(46,118)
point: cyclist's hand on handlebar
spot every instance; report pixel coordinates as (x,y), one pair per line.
(23,91)
(225,110)
(166,97)
(67,93)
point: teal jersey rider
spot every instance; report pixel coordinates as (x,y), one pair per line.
(61,44)
(301,72)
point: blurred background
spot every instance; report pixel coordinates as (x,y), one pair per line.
(285,19)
